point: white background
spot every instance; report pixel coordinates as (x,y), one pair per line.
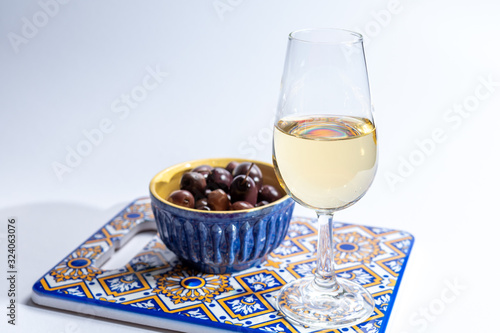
(224,67)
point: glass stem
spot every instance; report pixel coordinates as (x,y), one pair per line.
(325,271)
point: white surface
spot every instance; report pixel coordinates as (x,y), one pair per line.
(119,315)
(218,99)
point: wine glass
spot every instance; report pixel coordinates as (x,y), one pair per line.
(325,157)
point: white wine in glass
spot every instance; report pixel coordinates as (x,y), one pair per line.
(325,156)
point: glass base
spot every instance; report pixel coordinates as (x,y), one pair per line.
(307,304)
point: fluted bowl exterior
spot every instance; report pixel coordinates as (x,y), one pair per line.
(222,243)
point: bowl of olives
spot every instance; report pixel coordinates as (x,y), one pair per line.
(220,215)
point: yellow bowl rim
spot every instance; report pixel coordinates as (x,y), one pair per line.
(159,174)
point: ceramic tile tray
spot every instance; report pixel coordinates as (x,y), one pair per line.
(154,289)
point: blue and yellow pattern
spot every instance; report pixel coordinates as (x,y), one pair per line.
(78,265)
(183,284)
(155,283)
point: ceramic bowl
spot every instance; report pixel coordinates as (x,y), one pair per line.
(219,242)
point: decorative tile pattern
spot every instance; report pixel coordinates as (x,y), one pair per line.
(184,284)
(78,265)
(155,283)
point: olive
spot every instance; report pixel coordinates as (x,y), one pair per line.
(200,203)
(195,183)
(261,203)
(255,172)
(268,193)
(203,169)
(231,165)
(181,198)
(204,208)
(243,189)
(219,178)
(240,205)
(218,200)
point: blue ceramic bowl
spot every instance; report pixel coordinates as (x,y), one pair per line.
(219,242)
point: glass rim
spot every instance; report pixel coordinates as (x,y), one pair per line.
(357,37)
